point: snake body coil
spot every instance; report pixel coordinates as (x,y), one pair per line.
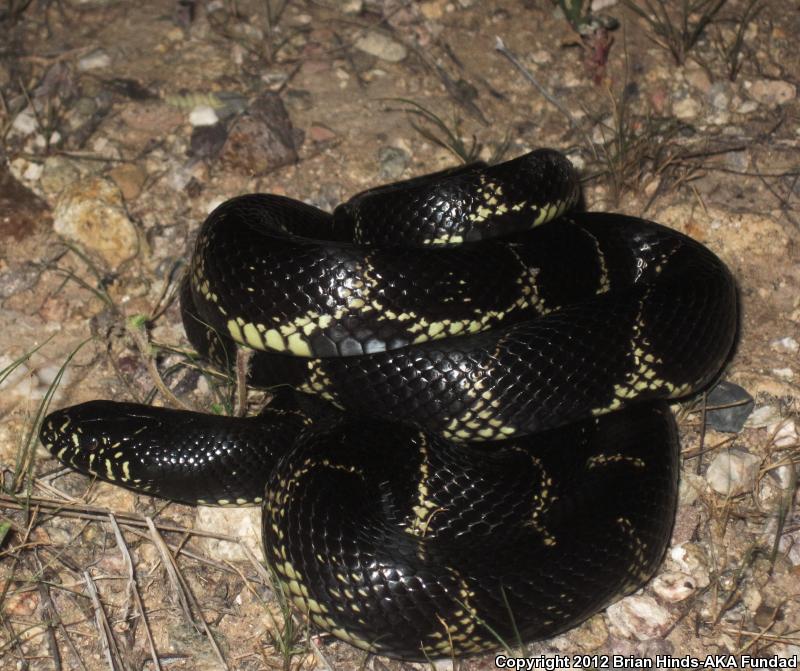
(493,457)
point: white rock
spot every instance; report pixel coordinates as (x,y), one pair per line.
(25,122)
(688,108)
(33,172)
(747,107)
(786,344)
(732,472)
(673,586)
(638,617)
(763,416)
(380,46)
(784,373)
(692,560)
(203,115)
(784,433)
(244,524)
(94,61)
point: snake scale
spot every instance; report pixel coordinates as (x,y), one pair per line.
(469,442)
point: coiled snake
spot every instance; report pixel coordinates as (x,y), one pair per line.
(488,453)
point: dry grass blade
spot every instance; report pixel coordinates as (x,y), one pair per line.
(107,640)
(133,589)
(677,25)
(183,591)
(136,329)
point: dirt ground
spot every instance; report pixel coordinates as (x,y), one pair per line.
(124,124)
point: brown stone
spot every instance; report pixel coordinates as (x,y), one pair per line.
(262,139)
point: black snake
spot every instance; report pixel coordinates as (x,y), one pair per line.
(494,457)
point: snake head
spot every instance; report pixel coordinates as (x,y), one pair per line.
(99,437)
(176,454)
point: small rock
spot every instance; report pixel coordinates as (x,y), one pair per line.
(352,6)
(784,433)
(393,162)
(688,108)
(130,178)
(58,172)
(320,133)
(747,107)
(243,524)
(673,586)
(592,634)
(380,46)
(262,139)
(151,117)
(739,404)
(763,416)
(28,383)
(639,617)
(207,141)
(541,57)
(432,10)
(203,115)
(94,61)
(772,92)
(25,123)
(732,472)
(783,373)
(692,560)
(786,344)
(91,213)
(718,96)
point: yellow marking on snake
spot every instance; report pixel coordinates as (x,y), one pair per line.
(425,508)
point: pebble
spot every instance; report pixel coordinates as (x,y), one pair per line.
(91,213)
(693,561)
(747,107)
(733,472)
(352,6)
(393,163)
(592,634)
(433,9)
(378,45)
(783,373)
(673,586)
(261,139)
(129,178)
(718,95)
(95,60)
(25,123)
(58,172)
(729,419)
(639,617)
(28,383)
(203,115)
(763,416)
(688,108)
(320,133)
(242,523)
(771,92)
(785,344)
(784,433)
